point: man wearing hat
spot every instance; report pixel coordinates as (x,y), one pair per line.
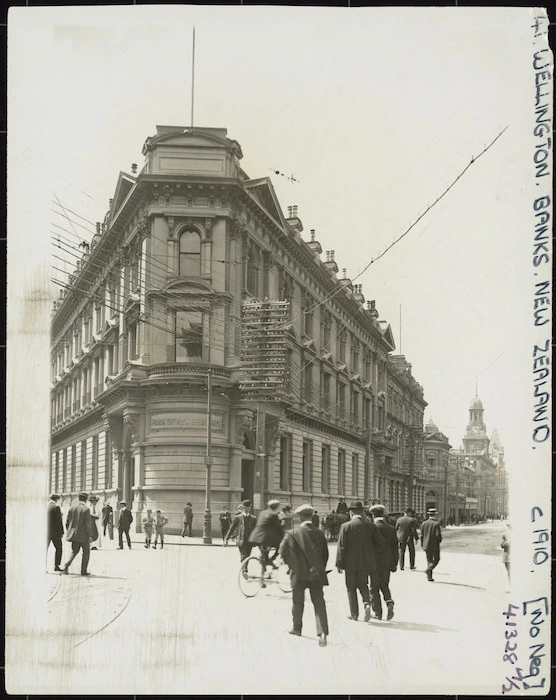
(268,531)
(305,552)
(243,524)
(79,531)
(386,563)
(55,529)
(358,545)
(124,523)
(431,537)
(406,531)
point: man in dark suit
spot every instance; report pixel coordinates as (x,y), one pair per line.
(107,512)
(387,562)
(358,545)
(124,523)
(406,531)
(55,529)
(268,531)
(79,531)
(431,537)
(243,524)
(305,552)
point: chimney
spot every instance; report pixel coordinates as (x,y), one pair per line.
(293,220)
(371,308)
(134,168)
(358,293)
(330,263)
(98,228)
(345,281)
(314,245)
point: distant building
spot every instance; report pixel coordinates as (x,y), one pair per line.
(156,301)
(437,471)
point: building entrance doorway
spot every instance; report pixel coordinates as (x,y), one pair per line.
(247,479)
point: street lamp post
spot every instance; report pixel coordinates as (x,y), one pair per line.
(207,524)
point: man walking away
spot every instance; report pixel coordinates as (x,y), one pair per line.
(159,522)
(268,532)
(54,529)
(286,517)
(79,531)
(506,547)
(124,523)
(148,525)
(305,552)
(358,546)
(225,519)
(342,507)
(187,520)
(431,537)
(243,524)
(387,562)
(406,531)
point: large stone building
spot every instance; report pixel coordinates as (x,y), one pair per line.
(155,302)
(468,483)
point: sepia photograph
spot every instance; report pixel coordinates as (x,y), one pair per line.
(279,351)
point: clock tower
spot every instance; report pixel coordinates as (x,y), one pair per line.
(476,440)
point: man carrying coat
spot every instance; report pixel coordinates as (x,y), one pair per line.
(79,531)
(243,524)
(305,552)
(431,537)
(406,531)
(358,546)
(387,562)
(55,529)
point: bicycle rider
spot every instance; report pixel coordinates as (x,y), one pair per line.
(268,532)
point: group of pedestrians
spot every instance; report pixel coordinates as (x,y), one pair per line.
(154,523)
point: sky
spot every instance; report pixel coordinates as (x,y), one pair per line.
(374,112)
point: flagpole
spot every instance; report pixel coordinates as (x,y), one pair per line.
(193,79)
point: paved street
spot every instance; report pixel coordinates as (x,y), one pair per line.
(175,621)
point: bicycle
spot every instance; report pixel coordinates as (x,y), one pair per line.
(254,574)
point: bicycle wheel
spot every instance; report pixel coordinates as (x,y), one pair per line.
(249,578)
(282,577)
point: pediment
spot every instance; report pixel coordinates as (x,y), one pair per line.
(262,191)
(123,187)
(387,334)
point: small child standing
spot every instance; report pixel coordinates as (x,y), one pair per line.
(159,523)
(148,525)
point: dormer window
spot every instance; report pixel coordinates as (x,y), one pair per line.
(190,254)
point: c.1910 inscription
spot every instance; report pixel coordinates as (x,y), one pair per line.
(161,421)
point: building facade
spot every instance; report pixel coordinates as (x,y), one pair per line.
(437,471)
(155,302)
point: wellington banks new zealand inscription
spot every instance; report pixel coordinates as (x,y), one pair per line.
(185,420)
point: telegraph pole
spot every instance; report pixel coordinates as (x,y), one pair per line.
(207,525)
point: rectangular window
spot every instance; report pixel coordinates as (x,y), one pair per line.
(355,365)
(355,474)
(94,470)
(341,472)
(132,341)
(64,469)
(57,473)
(308,383)
(367,413)
(325,465)
(73,467)
(326,391)
(189,336)
(108,461)
(327,328)
(341,401)
(307,463)
(355,407)
(367,370)
(342,339)
(83,479)
(285,461)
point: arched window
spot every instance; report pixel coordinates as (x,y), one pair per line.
(252,273)
(190,254)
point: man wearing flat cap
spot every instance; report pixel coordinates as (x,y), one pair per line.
(79,531)
(124,523)
(242,527)
(358,545)
(431,537)
(268,532)
(55,529)
(305,552)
